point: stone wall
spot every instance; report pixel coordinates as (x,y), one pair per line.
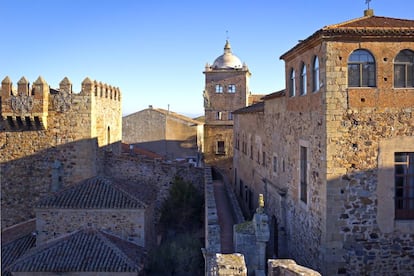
(161,131)
(346,222)
(154,172)
(62,150)
(359,123)
(127,224)
(248,166)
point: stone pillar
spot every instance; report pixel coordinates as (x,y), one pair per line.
(262,232)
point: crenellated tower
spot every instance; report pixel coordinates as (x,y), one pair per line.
(52,138)
(26,108)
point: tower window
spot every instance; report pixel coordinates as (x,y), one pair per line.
(220,148)
(230,116)
(219,88)
(231,88)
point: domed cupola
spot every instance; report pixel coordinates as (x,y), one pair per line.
(227,60)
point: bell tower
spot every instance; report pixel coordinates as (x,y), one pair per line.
(226,90)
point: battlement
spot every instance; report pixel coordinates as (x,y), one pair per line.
(28,106)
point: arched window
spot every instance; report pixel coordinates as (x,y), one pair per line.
(303,80)
(404,69)
(315,74)
(292,83)
(361,69)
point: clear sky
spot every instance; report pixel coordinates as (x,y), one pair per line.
(155,51)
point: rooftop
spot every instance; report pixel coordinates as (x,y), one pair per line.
(101,193)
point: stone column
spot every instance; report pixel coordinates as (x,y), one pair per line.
(262,232)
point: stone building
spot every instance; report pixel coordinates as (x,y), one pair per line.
(51,138)
(226,90)
(163,132)
(334,152)
(121,207)
(85,252)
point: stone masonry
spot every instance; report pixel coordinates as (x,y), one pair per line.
(344,221)
(51,137)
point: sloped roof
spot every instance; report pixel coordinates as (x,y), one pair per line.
(364,27)
(85,250)
(101,193)
(168,113)
(11,251)
(273,95)
(258,107)
(178,116)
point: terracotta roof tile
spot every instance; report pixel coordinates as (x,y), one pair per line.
(86,250)
(100,193)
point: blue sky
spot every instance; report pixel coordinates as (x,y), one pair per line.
(155,51)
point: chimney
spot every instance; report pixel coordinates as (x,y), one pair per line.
(369,12)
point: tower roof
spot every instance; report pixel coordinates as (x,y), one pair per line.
(227,60)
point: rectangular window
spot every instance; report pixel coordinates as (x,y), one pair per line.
(230,116)
(220,148)
(219,88)
(404,185)
(219,115)
(241,188)
(304,174)
(264,159)
(231,88)
(274,164)
(251,151)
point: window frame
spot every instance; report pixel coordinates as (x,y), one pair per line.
(219,147)
(366,69)
(407,66)
(292,83)
(385,187)
(406,179)
(303,80)
(315,74)
(219,89)
(231,88)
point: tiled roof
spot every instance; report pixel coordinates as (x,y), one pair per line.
(258,107)
(140,151)
(374,22)
(100,193)
(366,26)
(11,251)
(86,250)
(273,95)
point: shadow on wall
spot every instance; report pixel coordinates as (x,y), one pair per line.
(24,180)
(367,215)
